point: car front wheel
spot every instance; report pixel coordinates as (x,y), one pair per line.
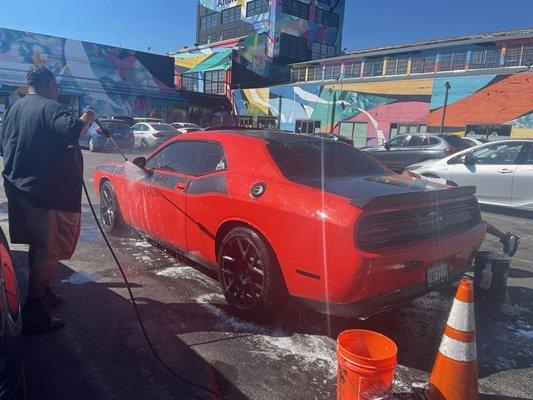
(250,275)
(92,145)
(112,221)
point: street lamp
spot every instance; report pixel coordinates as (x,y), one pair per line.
(448,87)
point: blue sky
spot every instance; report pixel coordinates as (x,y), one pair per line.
(166,25)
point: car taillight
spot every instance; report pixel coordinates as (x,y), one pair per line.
(450,150)
(158,134)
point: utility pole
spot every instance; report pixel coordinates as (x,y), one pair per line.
(448,87)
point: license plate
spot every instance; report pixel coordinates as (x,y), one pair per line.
(437,273)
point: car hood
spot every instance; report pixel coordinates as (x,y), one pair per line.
(360,190)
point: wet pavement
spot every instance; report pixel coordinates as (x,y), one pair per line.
(101,354)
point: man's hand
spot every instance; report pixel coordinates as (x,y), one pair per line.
(88,116)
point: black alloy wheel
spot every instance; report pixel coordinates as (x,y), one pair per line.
(110,216)
(249,274)
(92,145)
(144,143)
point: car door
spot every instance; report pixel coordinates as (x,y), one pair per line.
(523,179)
(138,131)
(412,151)
(491,170)
(172,168)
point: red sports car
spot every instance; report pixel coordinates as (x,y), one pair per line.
(279,214)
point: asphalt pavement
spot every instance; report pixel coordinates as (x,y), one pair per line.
(101,353)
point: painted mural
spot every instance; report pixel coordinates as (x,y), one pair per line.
(473,100)
(110,80)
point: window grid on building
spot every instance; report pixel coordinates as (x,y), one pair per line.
(256,7)
(527,55)
(214,82)
(210,20)
(352,69)
(513,54)
(397,65)
(422,63)
(373,67)
(327,18)
(332,71)
(231,14)
(296,8)
(321,50)
(292,47)
(298,74)
(245,122)
(485,58)
(189,83)
(314,73)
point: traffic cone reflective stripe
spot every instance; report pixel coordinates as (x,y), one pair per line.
(454,374)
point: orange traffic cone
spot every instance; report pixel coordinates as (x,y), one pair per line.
(454,375)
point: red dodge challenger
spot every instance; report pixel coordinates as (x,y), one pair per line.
(279,214)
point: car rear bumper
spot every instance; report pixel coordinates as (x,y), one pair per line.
(121,142)
(372,305)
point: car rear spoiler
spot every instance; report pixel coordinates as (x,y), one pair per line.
(420,196)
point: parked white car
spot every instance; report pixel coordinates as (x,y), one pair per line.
(501,171)
(149,134)
(185,127)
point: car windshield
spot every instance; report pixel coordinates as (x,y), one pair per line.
(308,160)
(163,127)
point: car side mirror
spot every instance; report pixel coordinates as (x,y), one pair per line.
(140,162)
(386,145)
(468,159)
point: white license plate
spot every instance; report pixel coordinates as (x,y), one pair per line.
(437,273)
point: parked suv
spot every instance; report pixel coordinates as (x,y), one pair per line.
(404,150)
(95,140)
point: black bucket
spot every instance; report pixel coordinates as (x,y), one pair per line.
(491,281)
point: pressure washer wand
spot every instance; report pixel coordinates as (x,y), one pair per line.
(107,134)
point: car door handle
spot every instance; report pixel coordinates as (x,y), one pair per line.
(505,171)
(182,185)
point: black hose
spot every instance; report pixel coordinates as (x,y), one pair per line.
(139,318)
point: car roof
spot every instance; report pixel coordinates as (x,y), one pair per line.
(264,135)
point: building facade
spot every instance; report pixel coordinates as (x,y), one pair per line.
(372,95)
(249,43)
(111,80)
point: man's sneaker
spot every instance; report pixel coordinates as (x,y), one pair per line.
(510,244)
(51,300)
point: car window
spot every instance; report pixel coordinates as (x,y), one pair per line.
(162,127)
(528,155)
(303,160)
(433,140)
(458,142)
(212,159)
(417,140)
(398,141)
(182,157)
(115,125)
(498,153)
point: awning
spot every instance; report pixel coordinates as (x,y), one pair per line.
(218,61)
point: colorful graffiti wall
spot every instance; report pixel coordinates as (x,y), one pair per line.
(475,100)
(111,80)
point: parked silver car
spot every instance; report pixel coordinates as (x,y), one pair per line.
(148,134)
(502,171)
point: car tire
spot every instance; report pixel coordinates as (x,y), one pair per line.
(250,275)
(92,145)
(144,143)
(110,215)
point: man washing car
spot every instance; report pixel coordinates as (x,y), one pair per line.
(43,168)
